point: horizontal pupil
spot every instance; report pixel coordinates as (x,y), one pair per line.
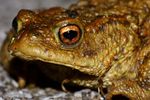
(70,34)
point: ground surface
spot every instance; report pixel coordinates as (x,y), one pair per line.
(8,87)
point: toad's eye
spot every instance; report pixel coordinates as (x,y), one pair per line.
(16,24)
(70,35)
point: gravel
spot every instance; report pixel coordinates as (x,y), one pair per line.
(9,91)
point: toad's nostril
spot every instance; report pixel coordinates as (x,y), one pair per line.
(120,97)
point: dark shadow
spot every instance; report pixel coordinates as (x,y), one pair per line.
(34,73)
(120,97)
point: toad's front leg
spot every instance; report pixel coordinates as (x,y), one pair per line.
(137,89)
(132,89)
(127,90)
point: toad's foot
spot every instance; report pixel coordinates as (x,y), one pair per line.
(127,90)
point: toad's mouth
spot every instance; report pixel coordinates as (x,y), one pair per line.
(28,54)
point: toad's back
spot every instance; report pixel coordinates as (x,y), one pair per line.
(106,40)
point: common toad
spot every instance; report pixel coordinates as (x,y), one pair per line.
(101,44)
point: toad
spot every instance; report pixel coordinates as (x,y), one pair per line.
(101,44)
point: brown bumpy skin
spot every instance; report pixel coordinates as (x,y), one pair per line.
(101,44)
